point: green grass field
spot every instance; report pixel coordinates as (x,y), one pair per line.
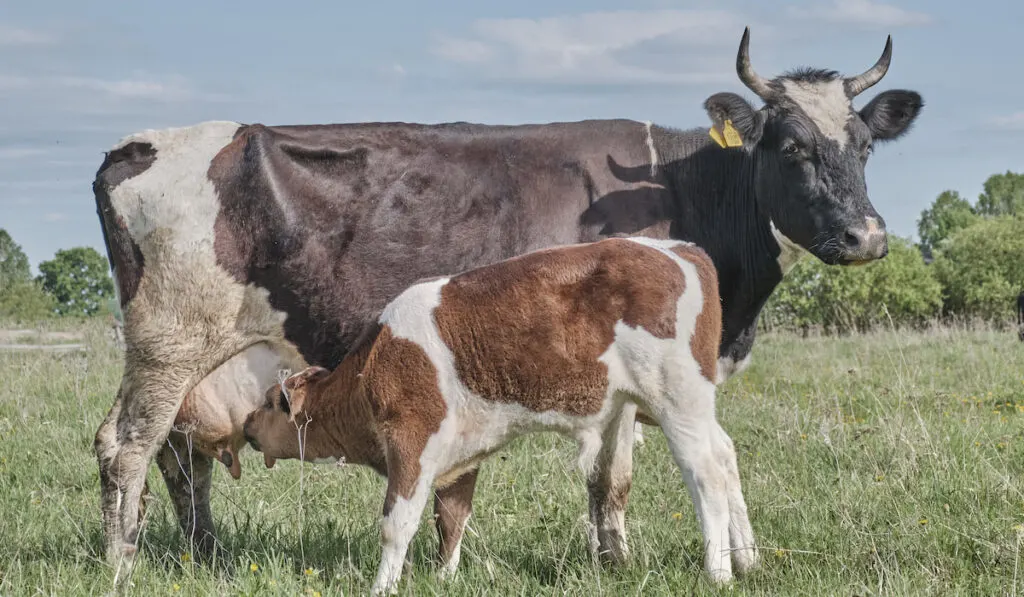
(879,464)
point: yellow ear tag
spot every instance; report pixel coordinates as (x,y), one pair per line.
(732,136)
(717,136)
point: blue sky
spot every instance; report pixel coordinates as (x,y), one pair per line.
(75,77)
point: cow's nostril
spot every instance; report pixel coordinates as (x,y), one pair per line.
(851,240)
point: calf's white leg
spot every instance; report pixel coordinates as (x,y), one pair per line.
(741,534)
(608,486)
(692,433)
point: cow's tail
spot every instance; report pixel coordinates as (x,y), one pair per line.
(124,255)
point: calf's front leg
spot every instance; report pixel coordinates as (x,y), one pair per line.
(452,507)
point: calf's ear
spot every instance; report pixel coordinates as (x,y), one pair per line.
(297,382)
(891,113)
(748,121)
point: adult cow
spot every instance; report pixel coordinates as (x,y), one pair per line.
(283,243)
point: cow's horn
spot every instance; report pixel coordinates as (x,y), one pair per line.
(752,80)
(856,85)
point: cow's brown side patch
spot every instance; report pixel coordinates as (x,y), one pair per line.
(707,335)
(530,330)
(402,387)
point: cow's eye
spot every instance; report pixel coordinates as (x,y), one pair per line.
(791,149)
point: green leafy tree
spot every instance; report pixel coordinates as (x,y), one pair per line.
(14,268)
(21,299)
(26,302)
(950,212)
(843,299)
(982,269)
(1003,196)
(77,278)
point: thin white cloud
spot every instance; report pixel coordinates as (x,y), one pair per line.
(14,82)
(173,88)
(55,216)
(140,86)
(861,13)
(467,51)
(14,36)
(17,153)
(1011,122)
(620,47)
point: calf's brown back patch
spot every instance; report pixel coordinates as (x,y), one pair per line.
(530,329)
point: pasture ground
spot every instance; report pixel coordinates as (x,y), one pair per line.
(887,463)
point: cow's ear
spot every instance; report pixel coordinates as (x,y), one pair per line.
(891,113)
(748,121)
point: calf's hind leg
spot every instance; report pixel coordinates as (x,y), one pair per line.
(691,430)
(741,534)
(608,487)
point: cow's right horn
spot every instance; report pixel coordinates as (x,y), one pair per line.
(856,85)
(751,79)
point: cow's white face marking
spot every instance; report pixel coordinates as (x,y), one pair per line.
(651,148)
(826,104)
(789,252)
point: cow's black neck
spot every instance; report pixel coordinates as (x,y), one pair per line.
(716,207)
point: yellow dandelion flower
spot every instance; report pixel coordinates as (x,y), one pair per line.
(803,436)
(780,553)
(254,567)
(1019,528)
(879,477)
(677,515)
(175,587)
(923,521)
(186,557)
(309,572)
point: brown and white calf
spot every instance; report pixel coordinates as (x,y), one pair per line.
(574,339)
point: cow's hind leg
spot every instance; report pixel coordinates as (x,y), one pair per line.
(188,475)
(608,487)
(126,442)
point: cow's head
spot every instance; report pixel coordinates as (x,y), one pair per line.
(810,149)
(274,427)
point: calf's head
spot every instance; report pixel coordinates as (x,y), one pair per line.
(274,427)
(810,148)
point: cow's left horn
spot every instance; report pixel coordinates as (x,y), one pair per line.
(856,85)
(745,70)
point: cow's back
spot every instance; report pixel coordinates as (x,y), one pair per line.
(325,224)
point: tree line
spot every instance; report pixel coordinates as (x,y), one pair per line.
(75,283)
(967,267)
